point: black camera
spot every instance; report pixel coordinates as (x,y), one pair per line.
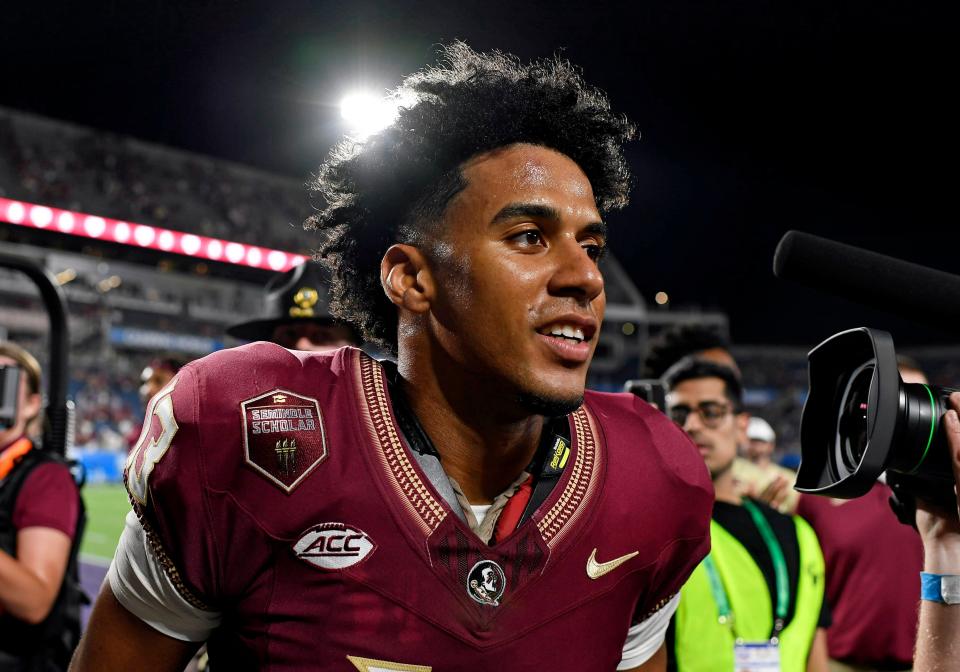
(651,390)
(9,393)
(860,420)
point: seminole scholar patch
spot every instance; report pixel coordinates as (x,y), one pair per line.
(283,436)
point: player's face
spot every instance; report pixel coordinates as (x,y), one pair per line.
(153,381)
(758,450)
(717,436)
(311,336)
(519,295)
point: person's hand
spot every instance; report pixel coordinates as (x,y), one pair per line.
(940,528)
(773,495)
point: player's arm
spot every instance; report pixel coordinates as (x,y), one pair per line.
(818,659)
(938,635)
(117,640)
(151,608)
(30,582)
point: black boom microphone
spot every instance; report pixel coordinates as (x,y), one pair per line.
(907,289)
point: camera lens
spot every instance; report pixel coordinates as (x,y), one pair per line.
(860,420)
(853,427)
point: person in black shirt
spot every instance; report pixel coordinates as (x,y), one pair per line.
(725,615)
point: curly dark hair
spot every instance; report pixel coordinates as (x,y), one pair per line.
(395,186)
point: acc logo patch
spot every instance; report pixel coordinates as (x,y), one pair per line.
(334,546)
(486,583)
(283,436)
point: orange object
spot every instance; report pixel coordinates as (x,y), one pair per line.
(9,456)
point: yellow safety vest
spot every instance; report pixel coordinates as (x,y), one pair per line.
(703,644)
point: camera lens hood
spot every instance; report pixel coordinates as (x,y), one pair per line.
(854,383)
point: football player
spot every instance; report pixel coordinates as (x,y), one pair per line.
(470,507)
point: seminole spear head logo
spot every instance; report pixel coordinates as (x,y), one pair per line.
(286,455)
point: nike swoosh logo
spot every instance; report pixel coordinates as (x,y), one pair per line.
(597,569)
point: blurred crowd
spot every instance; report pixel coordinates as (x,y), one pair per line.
(109,409)
(92,171)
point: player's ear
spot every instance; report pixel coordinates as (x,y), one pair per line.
(406,278)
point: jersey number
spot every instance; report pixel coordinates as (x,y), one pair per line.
(151,448)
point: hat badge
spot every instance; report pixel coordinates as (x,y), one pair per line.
(305,299)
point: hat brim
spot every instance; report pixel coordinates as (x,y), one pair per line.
(262,330)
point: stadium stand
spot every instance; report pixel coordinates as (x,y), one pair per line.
(71,167)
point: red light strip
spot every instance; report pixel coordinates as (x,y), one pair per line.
(141,235)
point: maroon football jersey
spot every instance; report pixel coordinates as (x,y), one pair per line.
(276,488)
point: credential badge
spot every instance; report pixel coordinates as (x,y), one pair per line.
(283,436)
(486,583)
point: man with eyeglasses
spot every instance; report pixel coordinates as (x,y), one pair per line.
(756,601)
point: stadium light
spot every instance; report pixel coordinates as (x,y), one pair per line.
(66,276)
(37,216)
(367,113)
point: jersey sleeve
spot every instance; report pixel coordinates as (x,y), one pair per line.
(683,477)
(48,498)
(142,585)
(165,479)
(647,636)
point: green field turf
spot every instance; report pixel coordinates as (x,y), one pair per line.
(107,505)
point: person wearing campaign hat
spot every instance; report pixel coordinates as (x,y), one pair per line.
(296,313)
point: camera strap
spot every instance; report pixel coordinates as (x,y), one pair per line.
(782,580)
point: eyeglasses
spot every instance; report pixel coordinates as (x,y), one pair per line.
(711,413)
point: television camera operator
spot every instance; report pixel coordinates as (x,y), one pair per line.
(938,635)
(40,509)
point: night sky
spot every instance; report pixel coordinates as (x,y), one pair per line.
(837,118)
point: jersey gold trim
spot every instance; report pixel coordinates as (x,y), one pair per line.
(372,665)
(581,486)
(156,547)
(420,504)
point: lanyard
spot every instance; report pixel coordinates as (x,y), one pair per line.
(779,571)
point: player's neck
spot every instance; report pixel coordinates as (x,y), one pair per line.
(482,449)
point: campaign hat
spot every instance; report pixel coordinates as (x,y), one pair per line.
(301,294)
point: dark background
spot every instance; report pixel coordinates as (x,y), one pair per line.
(837,118)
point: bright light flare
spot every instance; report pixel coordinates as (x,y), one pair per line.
(367,113)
